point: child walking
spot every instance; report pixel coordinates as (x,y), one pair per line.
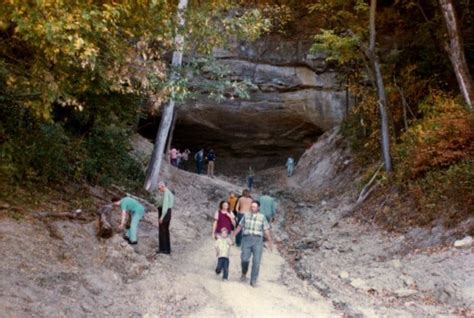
(223,244)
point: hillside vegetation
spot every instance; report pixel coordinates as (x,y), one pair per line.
(76,78)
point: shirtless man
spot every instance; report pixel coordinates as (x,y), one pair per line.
(242,207)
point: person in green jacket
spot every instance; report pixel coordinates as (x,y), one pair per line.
(164,202)
(267,206)
(135,210)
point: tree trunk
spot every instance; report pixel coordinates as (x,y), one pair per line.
(382,102)
(104,228)
(151,181)
(455,51)
(171,133)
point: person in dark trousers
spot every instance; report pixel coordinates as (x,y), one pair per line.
(250,175)
(223,244)
(199,158)
(164,201)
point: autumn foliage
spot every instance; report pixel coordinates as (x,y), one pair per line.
(442,138)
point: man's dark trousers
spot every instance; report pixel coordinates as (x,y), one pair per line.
(164,232)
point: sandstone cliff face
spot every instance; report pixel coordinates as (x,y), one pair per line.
(296,98)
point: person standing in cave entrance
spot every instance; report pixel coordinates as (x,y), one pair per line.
(250,175)
(290,165)
(199,158)
(211,157)
(178,158)
(174,157)
(185,158)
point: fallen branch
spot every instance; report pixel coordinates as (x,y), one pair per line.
(369,187)
(61,215)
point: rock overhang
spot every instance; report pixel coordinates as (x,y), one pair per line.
(296,97)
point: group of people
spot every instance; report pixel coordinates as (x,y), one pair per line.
(241,219)
(201,157)
(247,222)
(134,211)
(179,159)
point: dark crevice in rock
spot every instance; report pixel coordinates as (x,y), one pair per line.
(323,67)
(291,89)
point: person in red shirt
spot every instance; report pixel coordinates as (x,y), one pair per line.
(223,218)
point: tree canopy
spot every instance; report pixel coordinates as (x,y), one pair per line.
(54,51)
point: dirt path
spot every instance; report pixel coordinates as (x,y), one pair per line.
(278,294)
(270,298)
(59,268)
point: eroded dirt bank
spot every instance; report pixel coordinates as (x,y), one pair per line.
(364,270)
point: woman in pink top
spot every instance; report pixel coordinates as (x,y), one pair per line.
(174,157)
(223,218)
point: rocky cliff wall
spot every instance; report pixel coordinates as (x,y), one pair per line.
(296,98)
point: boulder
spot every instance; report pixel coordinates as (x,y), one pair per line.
(405,292)
(464,243)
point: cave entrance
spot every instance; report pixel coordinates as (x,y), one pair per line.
(240,140)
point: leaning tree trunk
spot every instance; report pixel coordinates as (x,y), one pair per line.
(171,131)
(455,51)
(382,102)
(151,181)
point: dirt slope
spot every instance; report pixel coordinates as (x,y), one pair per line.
(328,264)
(60,269)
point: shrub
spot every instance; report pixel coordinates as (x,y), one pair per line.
(34,151)
(445,136)
(108,159)
(446,194)
(362,128)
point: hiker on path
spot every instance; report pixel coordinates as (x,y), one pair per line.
(132,208)
(232,199)
(164,201)
(199,158)
(211,157)
(250,175)
(223,218)
(242,207)
(267,206)
(254,226)
(223,244)
(290,165)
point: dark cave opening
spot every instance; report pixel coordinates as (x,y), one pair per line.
(262,142)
